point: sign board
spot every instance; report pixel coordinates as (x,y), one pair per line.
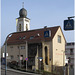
(3,61)
(47,33)
(69,24)
(26,59)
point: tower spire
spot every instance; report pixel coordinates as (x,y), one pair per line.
(22,4)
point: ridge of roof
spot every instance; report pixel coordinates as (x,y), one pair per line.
(36,29)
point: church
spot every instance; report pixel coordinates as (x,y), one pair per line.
(41,48)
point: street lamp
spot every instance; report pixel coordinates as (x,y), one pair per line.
(6,52)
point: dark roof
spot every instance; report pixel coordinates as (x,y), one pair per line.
(36,35)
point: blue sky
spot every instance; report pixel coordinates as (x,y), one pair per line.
(41,12)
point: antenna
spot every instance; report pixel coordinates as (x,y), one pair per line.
(22,4)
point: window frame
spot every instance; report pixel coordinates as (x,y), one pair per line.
(31,37)
(12,56)
(19,27)
(59,39)
(22,47)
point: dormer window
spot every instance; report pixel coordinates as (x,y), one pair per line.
(24,37)
(20,38)
(32,37)
(38,34)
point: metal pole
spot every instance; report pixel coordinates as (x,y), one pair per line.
(71,17)
(19,57)
(26,54)
(63,63)
(5,56)
(6,51)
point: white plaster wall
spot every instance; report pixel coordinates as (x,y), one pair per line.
(58,49)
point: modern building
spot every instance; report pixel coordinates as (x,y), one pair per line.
(44,48)
(69,52)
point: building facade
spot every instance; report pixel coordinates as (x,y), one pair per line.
(47,44)
(70,54)
(43,48)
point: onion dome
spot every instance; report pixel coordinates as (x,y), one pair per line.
(23,13)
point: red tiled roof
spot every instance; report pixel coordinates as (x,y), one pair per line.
(15,38)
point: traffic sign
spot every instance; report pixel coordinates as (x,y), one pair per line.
(69,24)
(3,61)
(47,33)
(26,59)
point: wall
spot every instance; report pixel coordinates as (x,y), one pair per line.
(15,51)
(49,54)
(58,49)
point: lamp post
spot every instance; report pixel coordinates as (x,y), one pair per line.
(6,52)
(19,57)
(26,54)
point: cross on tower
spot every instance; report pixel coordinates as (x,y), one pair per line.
(22,4)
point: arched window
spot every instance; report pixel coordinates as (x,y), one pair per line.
(19,27)
(46,56)
(26,27)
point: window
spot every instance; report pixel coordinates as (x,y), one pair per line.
(22,47)
(69,60)
(19,27)
(18,56)
(26,27)
(20,38)
(12,56)
(18,47)
(71,51)
(3,55)
(59,39)
(11,46)
(46,57)
(71,66)
(32,37)
(24,37)
(21,55)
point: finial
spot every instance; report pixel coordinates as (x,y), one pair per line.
(22,4)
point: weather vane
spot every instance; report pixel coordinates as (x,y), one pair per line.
(23,4)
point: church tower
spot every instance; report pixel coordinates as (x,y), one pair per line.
(22,23)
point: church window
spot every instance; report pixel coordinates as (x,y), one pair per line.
(19,27)
(26,27)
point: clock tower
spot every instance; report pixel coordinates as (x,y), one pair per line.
(22,23)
